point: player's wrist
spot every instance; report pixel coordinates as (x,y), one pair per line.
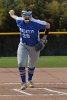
(47,31)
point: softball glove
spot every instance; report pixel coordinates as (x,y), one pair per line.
(40,45)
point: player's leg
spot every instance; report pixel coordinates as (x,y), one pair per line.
(21,58)
(32,59)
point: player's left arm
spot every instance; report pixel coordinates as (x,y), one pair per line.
(47,28)
(41,44)
(44,25)
(43,40)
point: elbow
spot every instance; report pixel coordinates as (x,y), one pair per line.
(48,25)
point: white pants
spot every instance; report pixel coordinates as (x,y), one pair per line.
(24,53)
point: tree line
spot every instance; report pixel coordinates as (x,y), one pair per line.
(53,11)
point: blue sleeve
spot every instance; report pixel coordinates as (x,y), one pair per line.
(19,22)
(40,26)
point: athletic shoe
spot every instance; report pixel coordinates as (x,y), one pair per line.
(24,86)
(30,84)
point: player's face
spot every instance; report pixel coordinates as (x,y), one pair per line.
(27,19)
(26,16)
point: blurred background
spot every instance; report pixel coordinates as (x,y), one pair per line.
(52,11)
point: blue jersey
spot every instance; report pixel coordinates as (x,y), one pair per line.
(29,32)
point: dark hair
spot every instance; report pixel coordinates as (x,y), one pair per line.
(27,9)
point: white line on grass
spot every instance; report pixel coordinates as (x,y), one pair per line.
(50,90)
(54,91)
(11,95)
(25,93)
(35,83)
(32,95)
(22,92)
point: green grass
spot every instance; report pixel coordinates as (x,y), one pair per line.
(44,61)
(8,62)
(52,61)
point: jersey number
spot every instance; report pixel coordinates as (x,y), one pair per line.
(26,35)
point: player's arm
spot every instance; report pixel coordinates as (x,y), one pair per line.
(12,14)
(45,26)
(46,31)
(41,44)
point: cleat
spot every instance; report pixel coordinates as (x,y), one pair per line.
(23,87)
(30,84)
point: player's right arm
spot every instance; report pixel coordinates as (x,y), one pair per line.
(12,14)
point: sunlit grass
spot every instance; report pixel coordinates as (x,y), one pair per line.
(43,61)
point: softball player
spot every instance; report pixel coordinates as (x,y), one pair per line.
(29,37)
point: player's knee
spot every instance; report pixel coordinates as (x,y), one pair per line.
(31,65)
(21,64)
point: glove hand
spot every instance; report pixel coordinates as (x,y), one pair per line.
(40,45)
